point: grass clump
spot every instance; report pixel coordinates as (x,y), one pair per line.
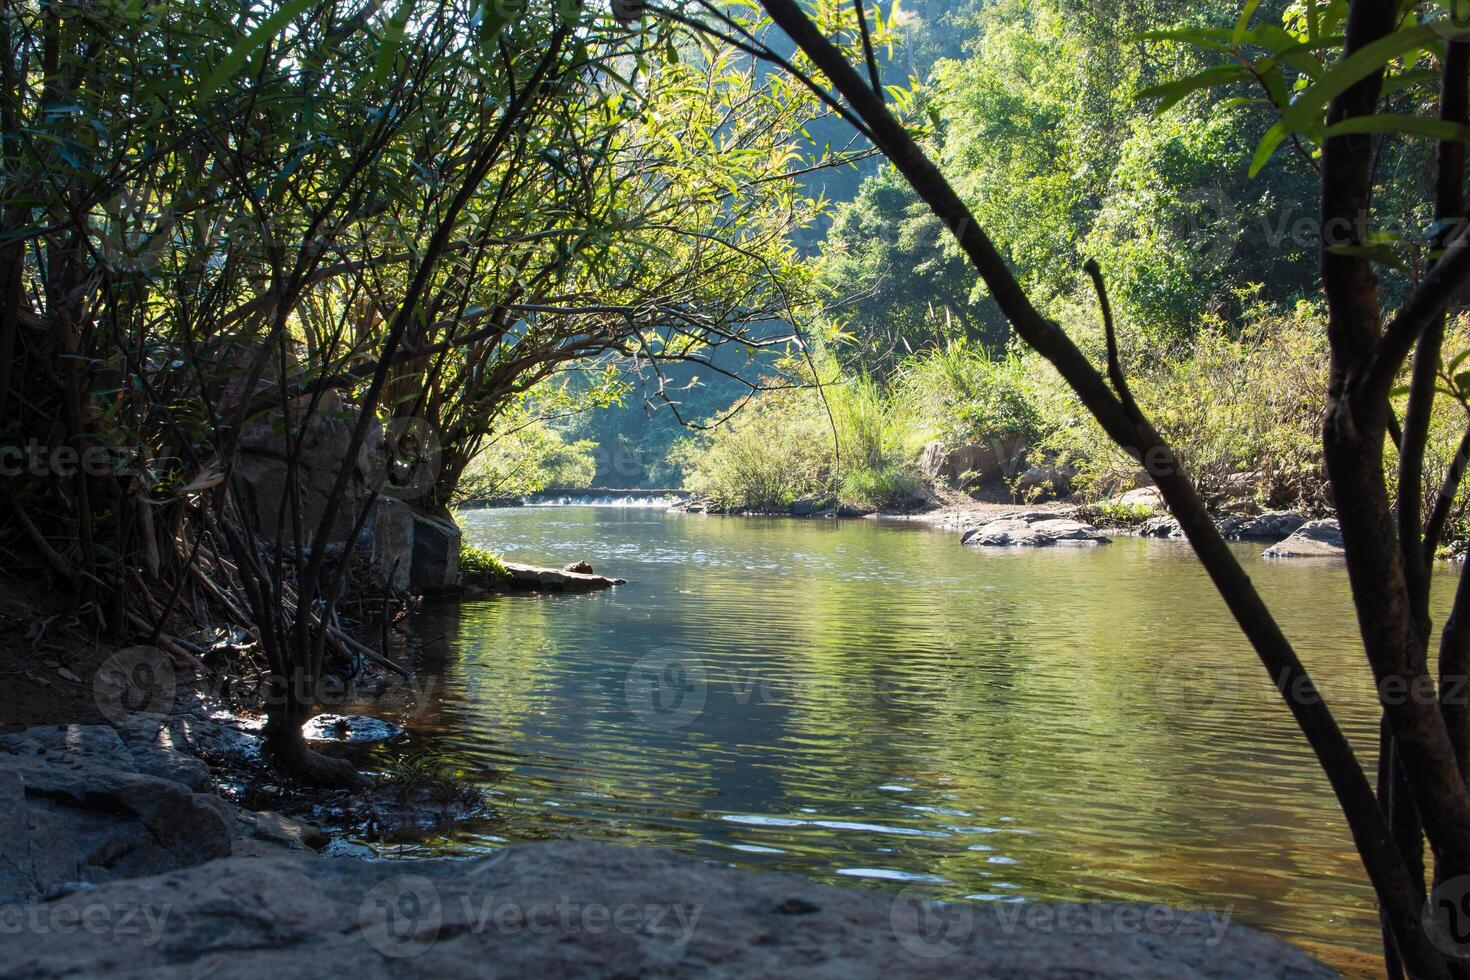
(482,567)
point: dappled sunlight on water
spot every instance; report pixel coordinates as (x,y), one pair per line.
(876,704)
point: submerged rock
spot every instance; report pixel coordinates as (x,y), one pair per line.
(581,909)
(349,728)
(1314,539)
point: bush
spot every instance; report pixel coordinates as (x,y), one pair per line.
(847,441)
(482,567)
(1230,403)
(964,393)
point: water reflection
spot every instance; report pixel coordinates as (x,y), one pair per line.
(876,704)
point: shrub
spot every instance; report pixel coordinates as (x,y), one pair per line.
(1233,403)
(481,566)
(963,393)
(847,441)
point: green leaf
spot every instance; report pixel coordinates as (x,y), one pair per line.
(387,52)
(1242,25)
(1169,93)
(497,16)
(1439,129)
(268,29)
(1266,147)
(1368,59)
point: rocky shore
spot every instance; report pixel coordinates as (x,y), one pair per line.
(119,860)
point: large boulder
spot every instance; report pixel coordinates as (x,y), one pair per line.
(1161,526)
(971,462)
(580,909)
(1035,529)
(387,542)
(1149,497)
(1314,539)
(436,544)
(78,810)
(266,474)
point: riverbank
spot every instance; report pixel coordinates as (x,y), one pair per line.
(1141,512)
(129,852)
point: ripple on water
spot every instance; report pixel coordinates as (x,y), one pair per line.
(881,704)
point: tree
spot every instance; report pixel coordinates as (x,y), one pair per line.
(1333,100)
(341,223)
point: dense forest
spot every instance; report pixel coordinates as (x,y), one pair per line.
(1066,133)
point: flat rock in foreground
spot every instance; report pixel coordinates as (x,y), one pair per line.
(580,909)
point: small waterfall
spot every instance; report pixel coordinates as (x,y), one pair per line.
(599,497)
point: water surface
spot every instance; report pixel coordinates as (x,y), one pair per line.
(876,704)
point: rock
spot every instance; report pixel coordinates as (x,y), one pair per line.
(1160,527)
(287,832)
(1004,533)
(1062,529)
(971,462)
(1314,539)
(1043,483)
(321,454)
(580,567)
(809,506)
(79,811)
(349,728)
(387,542)
(1045,530)
(581,909)
(161,753)
(537,579)
(1271,526)
(1141,497)
(435,566)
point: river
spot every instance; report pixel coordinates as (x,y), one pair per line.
(871,703)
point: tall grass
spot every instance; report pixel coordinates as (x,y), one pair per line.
(844,442)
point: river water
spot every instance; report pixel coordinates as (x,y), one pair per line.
(871,703)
